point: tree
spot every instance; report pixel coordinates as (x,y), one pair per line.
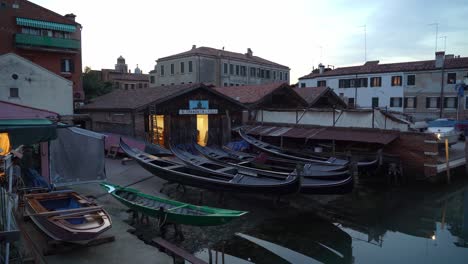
(93,85)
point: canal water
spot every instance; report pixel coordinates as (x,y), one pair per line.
(425,224)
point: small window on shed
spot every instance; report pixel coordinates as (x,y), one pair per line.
(14,93)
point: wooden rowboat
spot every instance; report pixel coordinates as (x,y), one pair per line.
(170,210)
(220,179)
(67,216)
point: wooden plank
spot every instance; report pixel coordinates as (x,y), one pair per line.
(82,209)
(173,249)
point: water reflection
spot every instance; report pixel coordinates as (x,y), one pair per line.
(368,226)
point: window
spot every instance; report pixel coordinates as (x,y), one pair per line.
(267,74)
(237,70)
(351,101)
(172,68)
(451,77)
(432,102)
(182,67)
(274,75)
(343,83)
(341,94)
(140,85)
(225,68)
(46,33)
(396,102)
(375,102)
(190,66)
(225,84)
(66,65)
(14,93)
(126,86)
(322,83)
(450,102)
(262,73)
(151,79)
(281,76)
(410,102)
(146,85)
(243,70)
(252,72)
(411,80)
(396,81)
(285,76)
(303,85)
(258,72)
(133,86)
(231,69)
(162,70)
(376,81)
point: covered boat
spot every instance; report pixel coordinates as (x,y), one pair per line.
(67,216)
(288,154)
(170,210)
(174,170)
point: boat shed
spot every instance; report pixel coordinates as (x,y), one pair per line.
(180,113)
(320,97)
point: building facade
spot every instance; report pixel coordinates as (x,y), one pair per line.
(217,67)
(122,77)
(415,88)
(44,37)
(25,83)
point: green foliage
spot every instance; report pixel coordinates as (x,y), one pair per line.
(93,85)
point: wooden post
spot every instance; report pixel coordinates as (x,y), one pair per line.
(447,159)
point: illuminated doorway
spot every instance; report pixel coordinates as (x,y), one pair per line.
(202,129)
(158,129)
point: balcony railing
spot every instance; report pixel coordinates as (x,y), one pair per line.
(44,41)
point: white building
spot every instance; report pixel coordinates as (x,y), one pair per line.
(219,67)
(410,87)
(26,83)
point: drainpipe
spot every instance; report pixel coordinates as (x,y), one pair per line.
(442,92)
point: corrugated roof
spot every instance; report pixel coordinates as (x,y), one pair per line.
(375,67)
(211,52)
(327,133)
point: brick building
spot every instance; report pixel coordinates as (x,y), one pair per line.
(44,37)
(122,77)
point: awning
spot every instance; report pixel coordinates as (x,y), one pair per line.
(44,24)
(327,133)
(28,131)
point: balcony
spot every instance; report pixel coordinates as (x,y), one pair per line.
(33,41)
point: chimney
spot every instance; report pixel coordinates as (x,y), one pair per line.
(249,53)
(439,59)
(71,16)
(321,68)
(194,47)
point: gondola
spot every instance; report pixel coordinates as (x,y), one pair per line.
(174,170)
(288,154)
(264,162)
(309,185)
(170,210)
(67,216)
(278,167)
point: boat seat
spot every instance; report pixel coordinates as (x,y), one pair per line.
(174,167)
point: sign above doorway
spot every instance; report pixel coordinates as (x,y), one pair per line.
(198,107)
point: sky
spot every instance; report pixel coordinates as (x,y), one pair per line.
(297,33)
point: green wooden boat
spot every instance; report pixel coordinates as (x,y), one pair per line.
(171,211)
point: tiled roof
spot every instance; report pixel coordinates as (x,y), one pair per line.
(141,97)
(138,97)
(311,94)
(375,67)
(249,94)
(130,77)
(211,52)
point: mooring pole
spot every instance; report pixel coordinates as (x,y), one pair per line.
(447,160)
